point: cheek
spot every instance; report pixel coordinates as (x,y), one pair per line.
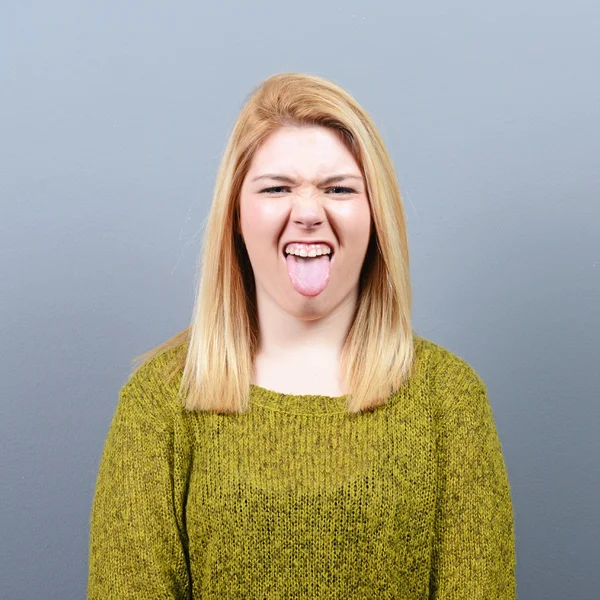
(251,223)
(252,218)
(260,224)
(359,227)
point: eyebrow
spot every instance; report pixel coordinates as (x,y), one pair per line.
(286,179)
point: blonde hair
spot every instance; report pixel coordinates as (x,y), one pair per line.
(217,350)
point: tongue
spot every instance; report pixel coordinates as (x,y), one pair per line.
(309,276)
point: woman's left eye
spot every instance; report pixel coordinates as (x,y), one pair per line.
(343,190)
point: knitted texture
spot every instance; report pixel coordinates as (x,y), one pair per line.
(299,499)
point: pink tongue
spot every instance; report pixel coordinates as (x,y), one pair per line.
(309,276)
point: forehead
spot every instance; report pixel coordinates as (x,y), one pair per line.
(296,150)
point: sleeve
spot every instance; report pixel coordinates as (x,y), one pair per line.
(137,547)
(473,546)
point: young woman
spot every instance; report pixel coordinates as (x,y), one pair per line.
(299,440)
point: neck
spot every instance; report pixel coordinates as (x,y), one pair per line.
(309,334)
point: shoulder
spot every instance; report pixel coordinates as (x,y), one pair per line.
(443,365)
(149,388)
(452,379)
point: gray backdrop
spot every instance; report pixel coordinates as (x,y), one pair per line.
(113,119)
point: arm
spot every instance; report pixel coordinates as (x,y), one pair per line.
(473,547)
(136,538)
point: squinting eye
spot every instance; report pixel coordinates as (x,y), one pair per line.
(344,190)
(279,187)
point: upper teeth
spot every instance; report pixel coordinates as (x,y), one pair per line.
(307,249)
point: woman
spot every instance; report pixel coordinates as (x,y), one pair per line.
(298,440)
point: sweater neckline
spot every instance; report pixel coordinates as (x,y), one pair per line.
(298,404)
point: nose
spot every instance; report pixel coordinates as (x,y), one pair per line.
(307,211)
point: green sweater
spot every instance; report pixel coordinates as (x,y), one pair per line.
(299,499)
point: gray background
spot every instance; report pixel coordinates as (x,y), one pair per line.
(113,119)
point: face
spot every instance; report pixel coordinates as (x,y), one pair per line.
(284,198)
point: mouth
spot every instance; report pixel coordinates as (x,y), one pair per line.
(330,256)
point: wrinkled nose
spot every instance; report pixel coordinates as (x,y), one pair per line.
(307,211)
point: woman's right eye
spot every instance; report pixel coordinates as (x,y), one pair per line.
(279,187)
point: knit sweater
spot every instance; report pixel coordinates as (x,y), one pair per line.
(298,498)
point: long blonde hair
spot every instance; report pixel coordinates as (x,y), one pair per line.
(216,352)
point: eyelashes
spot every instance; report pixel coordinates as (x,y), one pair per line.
(345,190)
